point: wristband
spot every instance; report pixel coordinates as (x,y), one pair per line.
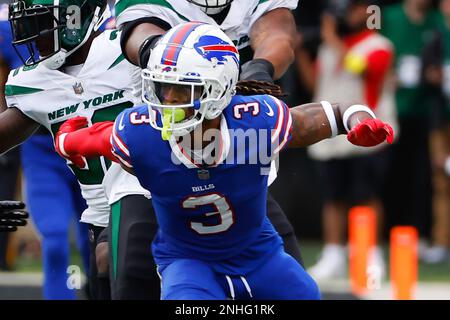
(331,117)
(257,69)
(447,166)
(61,139)
(352,110)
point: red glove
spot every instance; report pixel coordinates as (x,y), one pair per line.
(371,132)
(76,143)
(69,126)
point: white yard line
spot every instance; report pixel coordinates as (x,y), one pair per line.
(32,279)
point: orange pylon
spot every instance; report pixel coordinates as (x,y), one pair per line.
(362,240)
(404,262)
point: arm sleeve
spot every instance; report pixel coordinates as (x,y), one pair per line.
(266,6)
(15,102)
(129,10)
(16,91)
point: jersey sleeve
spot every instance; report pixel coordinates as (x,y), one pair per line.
(279,120)
(12,101)
(266,6)
(14,98)
(119,143)
(129,10)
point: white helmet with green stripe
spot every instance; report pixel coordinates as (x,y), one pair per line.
(56,28)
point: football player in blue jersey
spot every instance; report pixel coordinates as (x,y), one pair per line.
(204,153)
(264,56)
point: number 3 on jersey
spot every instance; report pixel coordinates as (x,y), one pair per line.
(224,211)
(240,109)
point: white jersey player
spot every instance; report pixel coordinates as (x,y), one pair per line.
(236,18)
(240,18)
(99,90)
(77,72)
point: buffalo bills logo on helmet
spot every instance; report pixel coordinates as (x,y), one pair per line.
(214,48)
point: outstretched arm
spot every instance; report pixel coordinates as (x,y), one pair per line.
(314,122)
(74,141)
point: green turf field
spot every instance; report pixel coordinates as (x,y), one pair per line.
(310,251)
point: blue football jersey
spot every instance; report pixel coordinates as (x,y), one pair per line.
(214,212)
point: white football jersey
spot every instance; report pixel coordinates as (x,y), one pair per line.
(237,24)
(100,91)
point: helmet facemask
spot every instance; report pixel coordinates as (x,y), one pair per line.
(53,32)
(33,23)
(199,99)
(203,63)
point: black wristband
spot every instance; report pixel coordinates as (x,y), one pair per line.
(146,49)
(257,69)
(129,27)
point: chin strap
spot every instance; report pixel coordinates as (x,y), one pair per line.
(56,61)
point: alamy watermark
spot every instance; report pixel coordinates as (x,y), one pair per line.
(234,146)
(374,20)
(374,277)
(74,277)
(73,17)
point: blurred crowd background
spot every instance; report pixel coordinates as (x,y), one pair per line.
(401,69)
(408,183)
